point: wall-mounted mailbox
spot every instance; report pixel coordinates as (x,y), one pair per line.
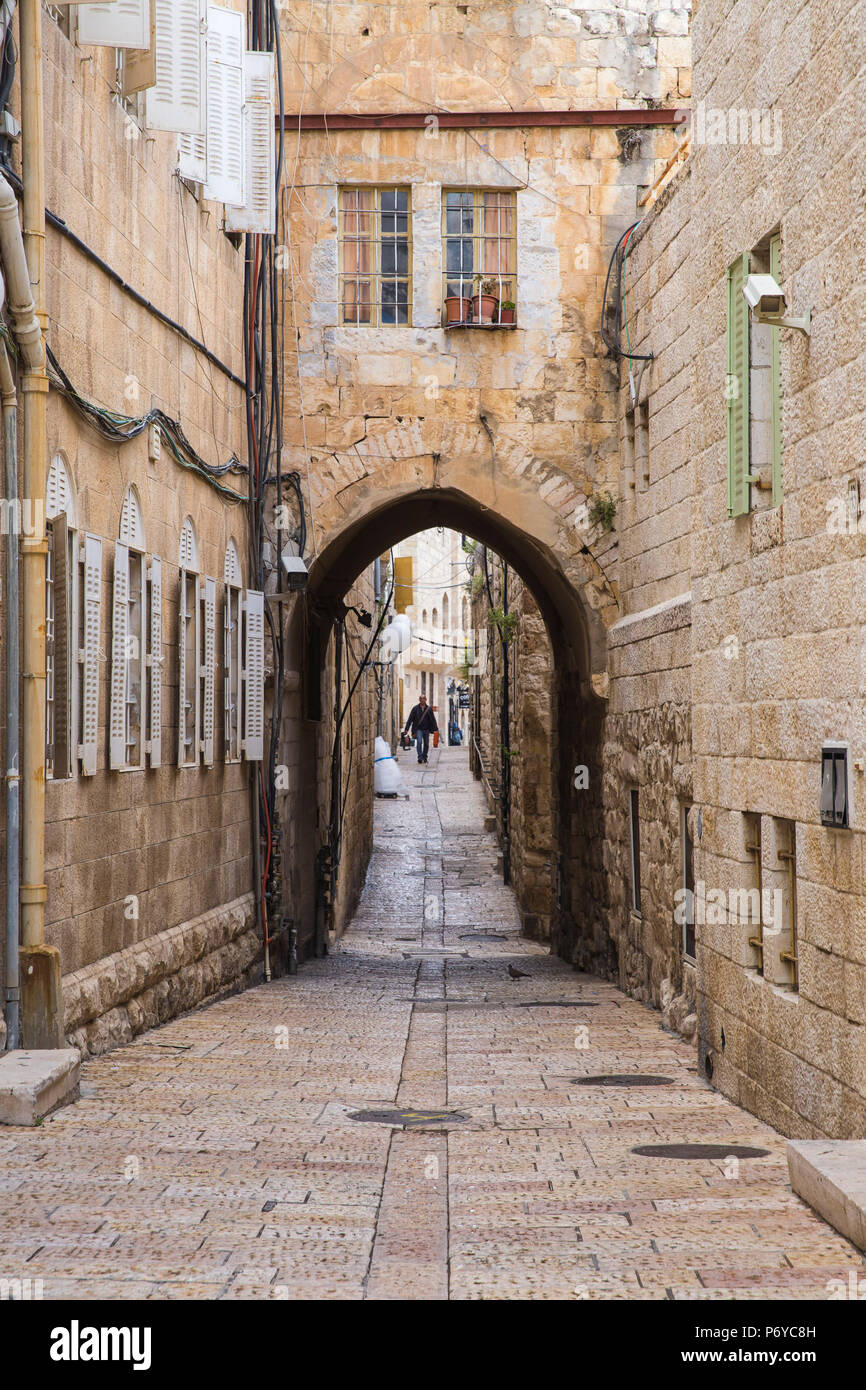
(835,799)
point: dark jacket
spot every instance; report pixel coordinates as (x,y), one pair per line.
(422,719)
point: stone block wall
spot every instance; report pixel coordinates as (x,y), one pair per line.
(131,856)
(776,632)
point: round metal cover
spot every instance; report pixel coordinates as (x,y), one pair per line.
(624,1079)
(408,1119)
(718,1151)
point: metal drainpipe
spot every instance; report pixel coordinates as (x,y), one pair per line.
(13,831)
(34,390)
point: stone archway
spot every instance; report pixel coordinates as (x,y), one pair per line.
(389,487)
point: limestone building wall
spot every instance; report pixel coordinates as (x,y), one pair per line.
(776,661)
(544,386)
(131,856)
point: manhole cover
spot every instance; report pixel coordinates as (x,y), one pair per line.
(408,1119)
(720,1151)
(624,1079)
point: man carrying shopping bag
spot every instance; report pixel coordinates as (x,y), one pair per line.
(422,721)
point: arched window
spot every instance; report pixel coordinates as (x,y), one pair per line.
(62,596)
(424,617)
(135,721)
(435,617)
(445,606)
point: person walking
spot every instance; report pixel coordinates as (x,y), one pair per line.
(423,723)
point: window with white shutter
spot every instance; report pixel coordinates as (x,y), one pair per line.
(232,655)
(154,664)
(89,653)
(177,99)
(259,213)
(254,675)
(58,634)
(120,613)
(128,688)
(115,24)
(208,668)
(138,71)
(130,621)
(225,101)
(61,599)
(189,650)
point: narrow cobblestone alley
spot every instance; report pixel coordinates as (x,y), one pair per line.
(222,1156)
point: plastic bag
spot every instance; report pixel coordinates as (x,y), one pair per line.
(387,777)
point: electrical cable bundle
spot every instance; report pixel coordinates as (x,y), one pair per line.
(619,251)
(264,330)
(120,429)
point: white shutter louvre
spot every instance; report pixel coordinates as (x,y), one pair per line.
(259,213)
(116,24)
(177,100)
(192,158)
(254,675)
(227,674)
(139,64)
(119,641)
(209,673)
(225,103)
(62,671)
(181,670)
(90,655)
(154,703)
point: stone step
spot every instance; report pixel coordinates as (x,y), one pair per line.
(830,1174)
(33,1083)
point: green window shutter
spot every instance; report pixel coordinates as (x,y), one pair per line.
(738,389)
(776,377)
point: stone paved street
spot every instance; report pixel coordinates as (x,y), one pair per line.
(217,1157)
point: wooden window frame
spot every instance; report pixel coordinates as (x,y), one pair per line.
(375,275)
(478,237)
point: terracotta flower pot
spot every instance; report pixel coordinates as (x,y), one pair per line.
(457,308)
(506,316)
(486,307)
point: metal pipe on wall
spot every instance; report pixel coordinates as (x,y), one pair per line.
(13,713)
(34,391)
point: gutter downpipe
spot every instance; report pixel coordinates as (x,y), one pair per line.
(13,712)
(24,266)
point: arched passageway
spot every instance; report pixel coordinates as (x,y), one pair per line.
(574,601)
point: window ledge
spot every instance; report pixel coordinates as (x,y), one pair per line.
(488,326)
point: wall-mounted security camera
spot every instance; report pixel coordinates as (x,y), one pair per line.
(766,299)
(295,570)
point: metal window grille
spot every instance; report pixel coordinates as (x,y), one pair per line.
(479,252)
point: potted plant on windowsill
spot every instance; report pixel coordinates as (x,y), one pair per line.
(507,311)
(458,308)
(486,302)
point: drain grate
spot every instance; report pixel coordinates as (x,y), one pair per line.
(501,1003)
(720,1151)
(483,936)
(432,953)
(408,1119)
(623,1079)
